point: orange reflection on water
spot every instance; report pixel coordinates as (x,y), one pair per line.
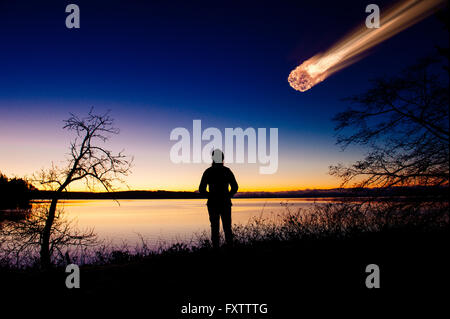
(163,220)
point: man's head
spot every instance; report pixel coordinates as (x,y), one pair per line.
(217,156)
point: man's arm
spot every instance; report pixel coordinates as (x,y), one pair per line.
(203,184)
(233,184)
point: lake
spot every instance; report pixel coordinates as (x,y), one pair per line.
(164,221)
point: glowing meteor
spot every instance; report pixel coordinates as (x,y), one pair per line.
(351,48)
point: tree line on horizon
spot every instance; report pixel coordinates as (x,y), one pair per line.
(15,193)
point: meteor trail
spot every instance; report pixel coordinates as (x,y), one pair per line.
(350,48)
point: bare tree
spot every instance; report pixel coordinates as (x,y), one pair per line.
(88,161)
(404,123)
(21,239)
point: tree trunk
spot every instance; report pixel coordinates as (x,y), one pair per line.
(45,236)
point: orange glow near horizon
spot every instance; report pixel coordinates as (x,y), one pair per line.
(247,182)
(351,48)
(167,178)
(245,185)
(304,166)
(152,172)
(241,189)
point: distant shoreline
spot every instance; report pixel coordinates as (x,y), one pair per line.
(316,193)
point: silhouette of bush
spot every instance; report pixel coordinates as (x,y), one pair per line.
(120,257)
(333,221)
(177,248)
(345,219)
(15,193)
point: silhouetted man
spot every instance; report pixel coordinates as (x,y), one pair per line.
(222,186)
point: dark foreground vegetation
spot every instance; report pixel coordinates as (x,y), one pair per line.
(307,260)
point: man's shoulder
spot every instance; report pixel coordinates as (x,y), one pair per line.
(216,169)
(208,170)
(227,169)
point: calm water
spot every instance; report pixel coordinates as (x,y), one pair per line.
(164,220)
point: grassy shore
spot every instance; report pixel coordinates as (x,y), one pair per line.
(304,259)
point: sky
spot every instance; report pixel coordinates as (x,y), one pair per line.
(159,65)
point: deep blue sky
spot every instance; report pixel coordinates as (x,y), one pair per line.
(160,64)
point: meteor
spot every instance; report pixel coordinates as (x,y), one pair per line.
(352,47)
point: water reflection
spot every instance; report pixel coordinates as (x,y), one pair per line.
(164,220)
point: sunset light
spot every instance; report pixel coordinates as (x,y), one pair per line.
(155,162)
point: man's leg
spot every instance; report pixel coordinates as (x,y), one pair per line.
(226,224)
(214,219)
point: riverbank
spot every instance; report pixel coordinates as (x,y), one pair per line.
(290,277)
(308,262)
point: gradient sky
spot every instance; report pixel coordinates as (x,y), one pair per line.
(159,65)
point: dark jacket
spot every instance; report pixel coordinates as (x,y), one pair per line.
(218,178)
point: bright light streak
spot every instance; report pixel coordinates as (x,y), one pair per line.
(352,47)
